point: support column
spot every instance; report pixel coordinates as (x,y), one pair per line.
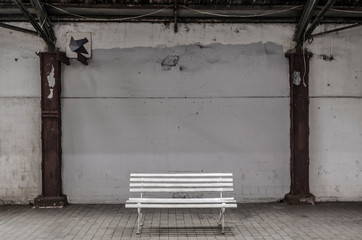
(299,128)
(52,195)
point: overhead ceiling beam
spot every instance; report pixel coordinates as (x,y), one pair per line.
(19,29)
(44,20)
(337,29)
(35,24)
(318,19)
(304,20)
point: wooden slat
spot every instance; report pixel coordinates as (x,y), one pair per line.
(149,205)
(181,174)
(181,184)
(181,179)
(181,200)
(181,190)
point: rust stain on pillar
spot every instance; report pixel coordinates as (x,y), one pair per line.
(299,128)
(50,69)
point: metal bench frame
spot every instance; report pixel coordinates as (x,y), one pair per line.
(185,183)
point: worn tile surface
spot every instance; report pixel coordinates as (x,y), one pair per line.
(249,221)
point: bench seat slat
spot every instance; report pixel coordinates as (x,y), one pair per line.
(181,184)
(181,200)
(181,174)
(150,205)
(181,179)
(181,190)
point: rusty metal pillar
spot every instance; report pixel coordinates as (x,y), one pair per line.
(299,128)
(52,196)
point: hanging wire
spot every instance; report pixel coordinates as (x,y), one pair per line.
(241,16)
(345,11)
(113,19)
(304,62)
(185,7)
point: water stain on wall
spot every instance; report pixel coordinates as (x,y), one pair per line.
(189,107)
(192,70)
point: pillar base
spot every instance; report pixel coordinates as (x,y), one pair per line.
(293,199)
(50,202)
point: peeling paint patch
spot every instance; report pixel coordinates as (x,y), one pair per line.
(296,78)
(50,96)
(51,82)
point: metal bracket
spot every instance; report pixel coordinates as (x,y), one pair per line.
(62,58)
(82,59)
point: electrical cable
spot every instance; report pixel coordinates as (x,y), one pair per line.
(304,61)
(240,16)
(113,19)
(160,10)
(345,11)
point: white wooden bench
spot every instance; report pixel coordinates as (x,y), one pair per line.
(177,183)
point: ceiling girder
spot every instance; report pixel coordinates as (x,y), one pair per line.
(43,17)
(19,29)
(304,20)
(318,19)
(35,24)
(77,12)
(337,29)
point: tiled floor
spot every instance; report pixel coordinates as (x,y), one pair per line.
(250,221)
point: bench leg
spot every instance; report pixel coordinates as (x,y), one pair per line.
(141,224)
(219,220)
(139,221)
(222,218)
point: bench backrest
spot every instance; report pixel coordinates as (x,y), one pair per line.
(181,182)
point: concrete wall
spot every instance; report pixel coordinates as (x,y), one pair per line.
(20,146)
(336,116)
(212,98)
(222,107)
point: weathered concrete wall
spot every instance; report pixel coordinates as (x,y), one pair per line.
(224,107)
(336,116)
(211,98)
(20,147)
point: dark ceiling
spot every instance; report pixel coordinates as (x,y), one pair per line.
(348,11)
(307,14)
(195,2)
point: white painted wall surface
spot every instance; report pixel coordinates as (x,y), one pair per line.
(336,116)
(20,146)
(224,107)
